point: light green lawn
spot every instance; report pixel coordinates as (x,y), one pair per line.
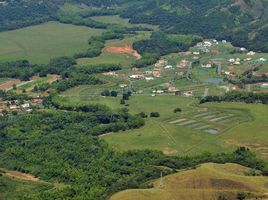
(42,42)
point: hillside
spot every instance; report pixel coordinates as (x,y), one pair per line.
(244,22)
(207,182)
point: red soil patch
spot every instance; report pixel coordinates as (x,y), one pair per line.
(123,49)
(21,176)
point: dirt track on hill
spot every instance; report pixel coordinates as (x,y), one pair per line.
(21,176)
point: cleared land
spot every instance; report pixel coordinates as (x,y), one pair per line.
(127,49)
(207,182)
(126,60)
(43,42)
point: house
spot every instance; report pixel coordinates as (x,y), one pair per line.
(208,65)
(169,67)
(243,49)
(13,107)
(110,74)
(185,53)
(136,76)
(172,89)
(247,59)
(157,74)
(160,91)
(123,85)
(231,60)
(160,63)
(180,74)
(231,75)
(207,44)
(196,57)
(38,100)
(149,78)
(3,102)
(196,53)
(224,41)
(206,50)
(25,105)
(199,44)
(183,63)
(148,72)
(237,63)
(188,93)
(251,53)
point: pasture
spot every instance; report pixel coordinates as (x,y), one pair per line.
(212,181)
(13,188)
(42,42)
(210,127)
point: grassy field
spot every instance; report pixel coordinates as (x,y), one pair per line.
(42,42)
(234,125)
(207,182)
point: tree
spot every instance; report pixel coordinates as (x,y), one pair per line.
(176,110)
(122,101)
(14,86)
(143,115)
(105,93)
(125,96)
(113,93)
(154,114)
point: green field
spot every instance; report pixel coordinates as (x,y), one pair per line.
(13,189)
(245,127)
(42,42)
(207,182)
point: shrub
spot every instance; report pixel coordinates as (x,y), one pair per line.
(154,114)
(176,110)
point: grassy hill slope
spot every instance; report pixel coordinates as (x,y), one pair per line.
(40,43)
(207,182)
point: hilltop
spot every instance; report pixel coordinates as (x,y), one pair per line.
(208,181)
(244,22)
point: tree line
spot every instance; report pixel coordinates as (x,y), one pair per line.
(234,96)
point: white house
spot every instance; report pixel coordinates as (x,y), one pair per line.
(206,65)
(231,60)
(251,53)
(149,78)
(188,93)
(168,67)
(26,105)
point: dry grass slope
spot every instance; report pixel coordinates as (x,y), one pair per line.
(207,182)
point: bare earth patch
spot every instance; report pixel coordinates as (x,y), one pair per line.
(127,49)
(21,176)
(8,84)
